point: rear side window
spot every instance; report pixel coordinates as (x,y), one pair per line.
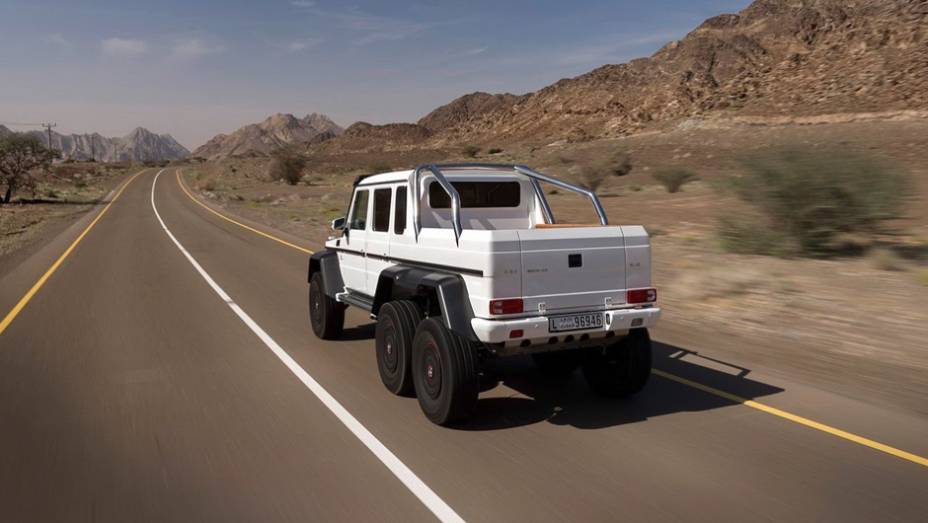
(382,209)
(359,211)
(399,212)
(477,194)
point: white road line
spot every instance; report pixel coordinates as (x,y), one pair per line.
(415,485)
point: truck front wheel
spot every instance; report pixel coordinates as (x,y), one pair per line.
(620,369)
(326,315)
(396,327)
(444,372)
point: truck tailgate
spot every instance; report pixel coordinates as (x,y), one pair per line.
(572,268)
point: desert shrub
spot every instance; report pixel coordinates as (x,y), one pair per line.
(471,151)
(634,187)
(619,164)
(750,235)
(674,179)
(494,150)
(806,199)
(922,277)
(209,185)
(286,164)
(589,176)
(379,167)
(886,260)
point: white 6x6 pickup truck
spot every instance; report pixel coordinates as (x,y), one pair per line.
(461,263)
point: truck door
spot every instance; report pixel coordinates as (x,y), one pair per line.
(378,237)
(351,259)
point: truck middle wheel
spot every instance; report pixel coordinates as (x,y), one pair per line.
(396,328)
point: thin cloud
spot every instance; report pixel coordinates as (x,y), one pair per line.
(370,28)
(475,51)
(303,3)
(123,47)
(614,50)
(296,46)
(58,40)
(190,49)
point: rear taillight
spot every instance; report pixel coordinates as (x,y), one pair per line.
(641,295)
(507,306)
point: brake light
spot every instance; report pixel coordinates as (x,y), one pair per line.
(641,295)
(507,306)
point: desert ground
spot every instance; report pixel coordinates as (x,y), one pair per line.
(851,322)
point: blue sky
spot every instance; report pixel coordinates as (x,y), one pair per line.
(194,69)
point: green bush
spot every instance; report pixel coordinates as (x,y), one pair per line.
(471,151)
(804,199)
(674,179)
(286,164)
(494,150)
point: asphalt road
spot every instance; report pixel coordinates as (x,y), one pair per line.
(131,390)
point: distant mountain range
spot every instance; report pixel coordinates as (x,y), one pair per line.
(141,145)
(274,132)
(775,61)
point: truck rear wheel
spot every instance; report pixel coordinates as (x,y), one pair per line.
(558,364)
(444,372)
(326,315)
(396,328)
(620,369)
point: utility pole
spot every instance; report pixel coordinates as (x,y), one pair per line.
(93,152)
(48,127)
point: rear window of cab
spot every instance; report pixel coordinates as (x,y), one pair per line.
(477,194)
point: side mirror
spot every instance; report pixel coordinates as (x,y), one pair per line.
(338,224)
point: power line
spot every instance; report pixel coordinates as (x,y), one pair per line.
(21,124)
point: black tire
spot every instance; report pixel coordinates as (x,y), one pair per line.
(444,372)
(558,364)
(326,315)
(396,328)
(621,369)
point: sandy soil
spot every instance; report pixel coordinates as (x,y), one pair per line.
(60,196)
(858,320)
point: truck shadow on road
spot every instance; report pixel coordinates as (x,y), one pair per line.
(568,401)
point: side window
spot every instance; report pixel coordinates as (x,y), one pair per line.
(359,211)
(382,209)
(399,211)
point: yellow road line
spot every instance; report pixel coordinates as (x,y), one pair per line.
(796,419)
(673,377)
(10,316)
(240,224)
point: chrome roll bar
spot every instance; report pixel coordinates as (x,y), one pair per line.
(534,176)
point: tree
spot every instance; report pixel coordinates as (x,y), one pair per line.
(286,164)
(19,155)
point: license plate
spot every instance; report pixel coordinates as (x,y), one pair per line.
(575,322)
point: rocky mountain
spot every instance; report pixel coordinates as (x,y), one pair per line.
(774,59)
(467,108)
(141,145)
(276,131)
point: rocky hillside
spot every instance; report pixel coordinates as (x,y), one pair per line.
(141,145)
(467,108)
(276,131)
(775,58)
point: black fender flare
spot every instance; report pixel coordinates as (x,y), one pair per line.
(445,291)
(326,262)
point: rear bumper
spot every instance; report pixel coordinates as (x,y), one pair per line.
(535,328)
